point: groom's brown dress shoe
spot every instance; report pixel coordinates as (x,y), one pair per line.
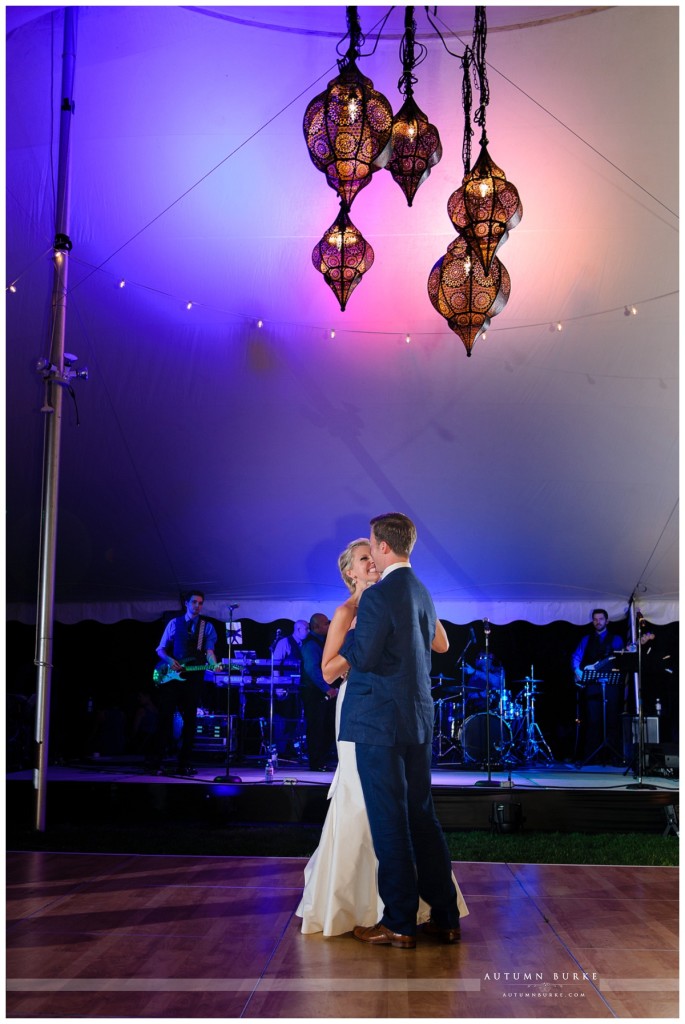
(446,935)
(379,935)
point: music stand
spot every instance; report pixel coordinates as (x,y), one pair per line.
(601,676)
(233,631)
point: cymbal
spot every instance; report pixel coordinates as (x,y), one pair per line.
(529,680)
(445,679)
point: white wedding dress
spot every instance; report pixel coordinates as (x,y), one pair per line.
(340,888)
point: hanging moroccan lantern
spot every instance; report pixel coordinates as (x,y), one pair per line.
(342,256)
(464,294)
(415,148)
(347,128)
(485,208)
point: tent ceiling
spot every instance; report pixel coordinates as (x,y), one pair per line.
(542,473)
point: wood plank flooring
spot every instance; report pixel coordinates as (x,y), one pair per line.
(116,935)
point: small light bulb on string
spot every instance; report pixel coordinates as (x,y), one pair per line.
(260,324)
(630,311)
(122,283)
(408,339)
(12,288)
(189,305)
(332,334)
(556,328)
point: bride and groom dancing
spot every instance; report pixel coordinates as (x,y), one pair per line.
(382,868)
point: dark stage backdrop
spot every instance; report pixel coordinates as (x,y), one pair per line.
(105,666)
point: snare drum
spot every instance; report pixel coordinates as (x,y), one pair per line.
(474,740)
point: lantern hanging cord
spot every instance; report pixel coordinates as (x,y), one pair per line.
(480,71)
(466,102)
(409,57)
(459,56)
(473,62)
(357,38)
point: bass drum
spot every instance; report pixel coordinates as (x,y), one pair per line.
(474,740)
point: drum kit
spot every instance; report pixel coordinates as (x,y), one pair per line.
(481,722)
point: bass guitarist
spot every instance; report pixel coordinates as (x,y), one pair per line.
(187,646)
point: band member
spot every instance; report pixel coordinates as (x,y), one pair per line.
(318,698)
(288,649)
(596,651)
(188,642)
(659,682)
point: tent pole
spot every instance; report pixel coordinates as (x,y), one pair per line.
(54,377)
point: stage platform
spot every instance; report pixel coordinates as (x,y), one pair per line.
(553,797)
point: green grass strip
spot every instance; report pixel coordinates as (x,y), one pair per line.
(200,839)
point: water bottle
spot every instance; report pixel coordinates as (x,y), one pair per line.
(269,771)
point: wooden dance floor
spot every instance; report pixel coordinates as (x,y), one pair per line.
(116,935)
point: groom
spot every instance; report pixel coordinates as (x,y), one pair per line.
(388,714)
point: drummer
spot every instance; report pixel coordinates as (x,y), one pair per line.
(487,668)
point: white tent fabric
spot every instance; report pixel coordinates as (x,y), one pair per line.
(542,472)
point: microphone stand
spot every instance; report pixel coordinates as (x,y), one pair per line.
(640,717)
(229,637)
(489,780)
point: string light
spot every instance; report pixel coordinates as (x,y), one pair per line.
(189,305)
(332,334)
(12,288)
(408,339)
(260,324)
(555,327)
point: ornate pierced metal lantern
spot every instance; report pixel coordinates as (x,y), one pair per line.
(416,146)
(485,208)
(343,255)
(464,294)
(347,128)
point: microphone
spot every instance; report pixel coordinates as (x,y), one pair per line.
(232,607)
(486,626)
(275,640)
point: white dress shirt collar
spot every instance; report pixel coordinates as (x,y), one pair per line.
(395,565)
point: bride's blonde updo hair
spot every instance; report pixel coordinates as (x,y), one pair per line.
(347,557)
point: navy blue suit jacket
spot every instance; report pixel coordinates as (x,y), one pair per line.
(388,699)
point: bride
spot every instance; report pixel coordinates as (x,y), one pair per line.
(340,879)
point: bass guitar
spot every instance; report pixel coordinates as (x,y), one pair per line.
(605,665)
(164,673)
